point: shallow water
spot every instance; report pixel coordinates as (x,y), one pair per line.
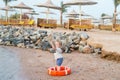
(9,65)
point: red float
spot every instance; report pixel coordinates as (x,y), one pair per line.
(63,71)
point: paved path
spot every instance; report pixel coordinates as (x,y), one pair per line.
(9,65)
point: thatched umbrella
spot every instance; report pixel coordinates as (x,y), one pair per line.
(106,17)
(6,8)
(31,12)
(80,3)
(47,12)
(73,12)
(21,6)
(48,4)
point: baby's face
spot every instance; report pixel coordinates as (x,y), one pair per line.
(57,44)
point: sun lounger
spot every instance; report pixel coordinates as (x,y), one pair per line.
(105,27)
(43,23)
(75,24)
(31,22)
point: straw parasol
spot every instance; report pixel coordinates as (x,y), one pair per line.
(73,12)
(31,12)
(106,17)
(46,12)
(80,3)
(21,6)
(48,4)
(72,16)
(6,8)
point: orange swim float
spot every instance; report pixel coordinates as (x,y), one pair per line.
(63,71)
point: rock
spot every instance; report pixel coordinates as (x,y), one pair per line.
(21,45)
(94,44)
(83,43)
(45,45)
(84,36)
(7,43)
(37,42)
(34,38)
(98,50)
(30,46)
(67,49)
(87,49)
(52,50)
(80,49)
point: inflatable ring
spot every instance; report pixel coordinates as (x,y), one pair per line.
(63,71)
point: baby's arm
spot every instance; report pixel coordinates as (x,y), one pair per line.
(53,45)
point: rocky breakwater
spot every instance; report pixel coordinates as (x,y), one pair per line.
(39,39)
(21,37)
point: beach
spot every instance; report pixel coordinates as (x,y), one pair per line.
(33,64)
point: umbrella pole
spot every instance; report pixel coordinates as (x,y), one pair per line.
(6,16)
(47,15)
(21,15)
(80,15)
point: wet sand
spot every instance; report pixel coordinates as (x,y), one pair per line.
(32,64)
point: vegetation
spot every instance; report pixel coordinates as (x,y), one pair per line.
(7,1)
(116,3)
(63,10)
(102,15)
(17,16)
(6,4)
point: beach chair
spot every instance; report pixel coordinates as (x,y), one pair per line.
(21,23)
(31,23)
(43,23)
(117,27)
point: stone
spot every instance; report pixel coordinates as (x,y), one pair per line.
(84,36)
(87,49)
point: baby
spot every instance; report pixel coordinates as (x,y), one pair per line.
(58,54)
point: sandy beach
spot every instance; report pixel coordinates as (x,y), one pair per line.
(34,63)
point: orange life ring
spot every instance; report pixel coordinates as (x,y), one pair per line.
(63,71)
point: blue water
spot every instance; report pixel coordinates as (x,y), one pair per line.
(9,65)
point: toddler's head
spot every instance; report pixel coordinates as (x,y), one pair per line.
(58,43)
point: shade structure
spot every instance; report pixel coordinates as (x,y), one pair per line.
(31,12)
(80,3)
(7,8)
(106,17)
(73,12)
(21,6)
(95,20)
(48,4)
(46,12)
(72,16)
